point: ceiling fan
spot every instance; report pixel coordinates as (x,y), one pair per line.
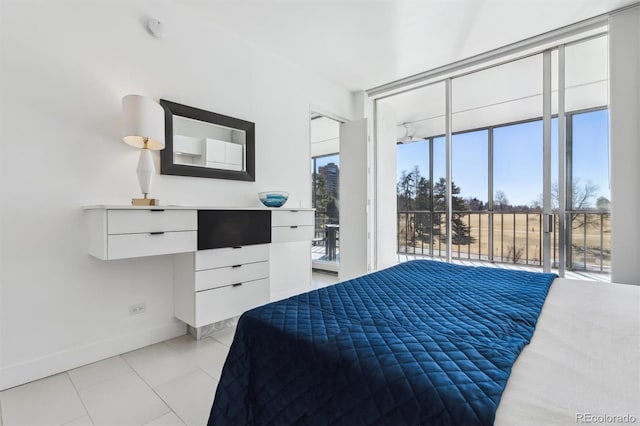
(409,133)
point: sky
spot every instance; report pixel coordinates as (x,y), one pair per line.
(518,158)
(323,161)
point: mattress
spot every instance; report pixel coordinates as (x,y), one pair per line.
(583,362)
(419,343)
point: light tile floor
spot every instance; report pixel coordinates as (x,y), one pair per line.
(169,383)
(323,278)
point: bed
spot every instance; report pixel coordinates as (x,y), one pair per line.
(434,343)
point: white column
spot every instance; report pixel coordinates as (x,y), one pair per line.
(385,188)
(546,173)
(624,110)
(353,199)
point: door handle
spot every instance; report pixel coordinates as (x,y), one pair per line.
(236,266)
(156,233)
(236,285)
(548,223)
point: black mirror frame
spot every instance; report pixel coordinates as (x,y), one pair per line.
(168,167)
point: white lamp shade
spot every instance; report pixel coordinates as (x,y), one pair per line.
(142,119)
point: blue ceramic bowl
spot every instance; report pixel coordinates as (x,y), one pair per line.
(273,198)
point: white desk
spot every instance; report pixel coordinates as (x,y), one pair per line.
(209,285)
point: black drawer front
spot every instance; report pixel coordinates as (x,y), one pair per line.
(233,228)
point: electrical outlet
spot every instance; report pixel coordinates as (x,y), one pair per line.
(137,309)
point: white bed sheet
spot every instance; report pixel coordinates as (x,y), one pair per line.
(583,359)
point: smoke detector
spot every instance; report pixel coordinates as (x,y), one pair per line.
(155,28)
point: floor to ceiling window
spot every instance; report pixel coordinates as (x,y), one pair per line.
(469,188)
(421,171)
(588,193)
(517,203)
(498,159)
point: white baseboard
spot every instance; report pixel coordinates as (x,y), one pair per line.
(38,368)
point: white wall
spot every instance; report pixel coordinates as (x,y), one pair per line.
(624,51)
(65,67)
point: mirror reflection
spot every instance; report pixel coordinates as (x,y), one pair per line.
(203,144)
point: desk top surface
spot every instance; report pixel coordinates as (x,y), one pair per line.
(175,207)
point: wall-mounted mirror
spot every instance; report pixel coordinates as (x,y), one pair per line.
(205,144)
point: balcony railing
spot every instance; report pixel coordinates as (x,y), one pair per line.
(507,237)
(327,235)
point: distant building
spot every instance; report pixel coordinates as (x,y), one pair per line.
(331,172)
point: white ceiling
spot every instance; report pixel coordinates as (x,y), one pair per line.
(504,94)
(360,44)
(325,136)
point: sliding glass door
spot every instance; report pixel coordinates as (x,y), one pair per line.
(421,222)
(587,193)
(498,160)
(528,155)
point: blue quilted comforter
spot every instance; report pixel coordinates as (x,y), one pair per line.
(423,343)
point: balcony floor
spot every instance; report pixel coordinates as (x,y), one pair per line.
(318,253)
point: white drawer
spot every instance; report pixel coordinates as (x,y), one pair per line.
(220,277)
(151,220)
(282,234)
(219,258)
(137,245)
(292,217)
(226,302)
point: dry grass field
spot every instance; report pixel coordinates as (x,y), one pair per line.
(517,238)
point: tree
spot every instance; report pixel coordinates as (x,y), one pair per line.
(422,193)
(580,208)
(536,205)
(406,190)
(474,204)
(581,200)
(603,203)
(460,231)
(582,195)
(414,194)
(500,201)
(422,220)
(332,211)
(322,195)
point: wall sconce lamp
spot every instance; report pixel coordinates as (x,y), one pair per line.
(143,127)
